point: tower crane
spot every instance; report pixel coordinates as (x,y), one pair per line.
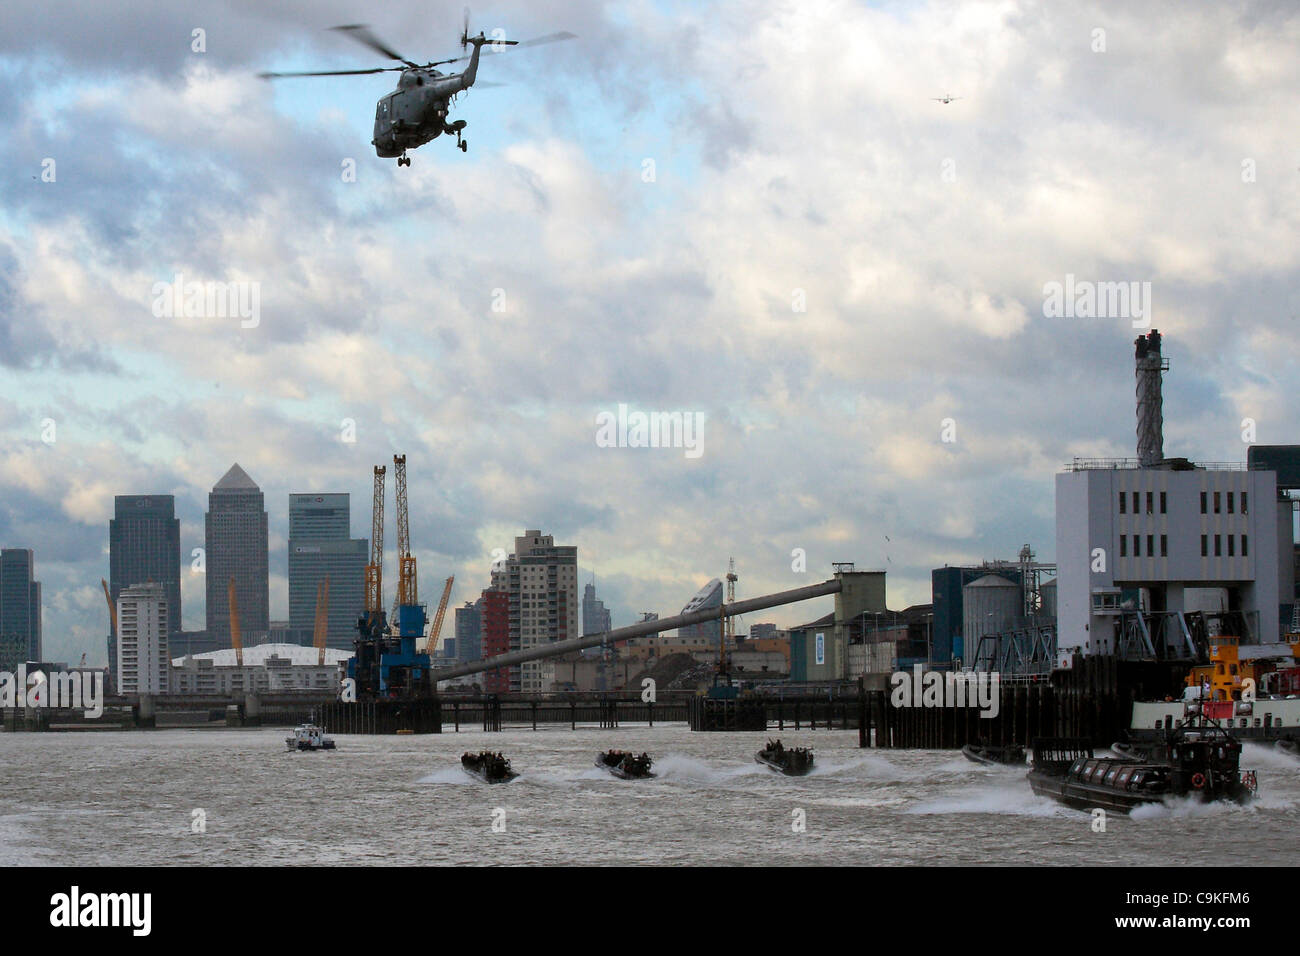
(322,618)
(436,628)
(236,635)
(375,569)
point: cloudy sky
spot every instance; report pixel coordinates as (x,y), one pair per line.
(826,264)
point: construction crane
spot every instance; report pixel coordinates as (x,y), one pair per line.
(322,618)
(436,629)
(112,609)
(727,636)
(375,569)
(407,587)
(236,635)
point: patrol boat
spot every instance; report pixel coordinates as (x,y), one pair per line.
(1203,762)
(1013,756)
(791,761)
(488,766)
(308,737)
(624,765)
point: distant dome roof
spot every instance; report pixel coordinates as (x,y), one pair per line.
(993,581)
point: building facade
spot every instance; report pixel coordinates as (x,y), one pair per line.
(541,581)
(20,608)
(595,616)
(1132,538)
(320,547)
(469,627)
(235,536)
(495,637)
(144,544)
(143,627)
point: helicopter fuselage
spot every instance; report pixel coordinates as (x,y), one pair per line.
(416,111)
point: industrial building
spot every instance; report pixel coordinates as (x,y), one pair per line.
(143,627)
(20,608)
(321,546)
(266,668)
(819,650)
(1156,554)
(235,537)
(706,598)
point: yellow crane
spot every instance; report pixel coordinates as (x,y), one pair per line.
(236,635)
(436,627)
(322,618)
(375,569)
(112,609)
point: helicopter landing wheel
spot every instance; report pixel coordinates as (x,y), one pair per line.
(403,160)
(463,145)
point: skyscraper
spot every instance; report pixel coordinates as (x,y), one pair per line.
(319,547)
(236,538)
(541,580)
(144,544)
(20,608)
(143,625)
(469,631)
(595,616)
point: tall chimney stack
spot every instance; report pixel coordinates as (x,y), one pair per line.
(1150,403)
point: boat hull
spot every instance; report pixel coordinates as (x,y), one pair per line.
(785,769)
(622,774)
(995,756)
(482,776)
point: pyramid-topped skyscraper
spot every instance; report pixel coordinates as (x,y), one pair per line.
(236,540)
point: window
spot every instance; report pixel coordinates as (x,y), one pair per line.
(1232,545)
(1137,545)
(1162,502)
(1217,496)
(1123,503)
(1135,502)
(1164,546)
(1218,546)
(1150,502)
(1245,504)
(1230,511)
(1204,545)
(1123,546)
(1245,551)
(1151,546)
(1202,502)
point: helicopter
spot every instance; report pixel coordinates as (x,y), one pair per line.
(416,112)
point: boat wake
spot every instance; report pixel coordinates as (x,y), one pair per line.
(691,770)
(447,775)
(1016,800)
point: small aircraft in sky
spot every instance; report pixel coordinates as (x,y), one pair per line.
(948,98)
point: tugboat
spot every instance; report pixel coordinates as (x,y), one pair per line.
(624,765)
(791,761)
(1203,762)
(1011,755)
(488,766)
(309,737)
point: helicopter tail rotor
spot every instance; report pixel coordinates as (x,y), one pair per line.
(464,33)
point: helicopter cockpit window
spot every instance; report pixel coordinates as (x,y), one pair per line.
(419,81)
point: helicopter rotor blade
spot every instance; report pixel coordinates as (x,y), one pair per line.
(492,48)
(378,69)
(361,33)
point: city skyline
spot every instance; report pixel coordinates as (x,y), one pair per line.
(771,278)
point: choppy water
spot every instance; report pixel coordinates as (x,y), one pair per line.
(127,798)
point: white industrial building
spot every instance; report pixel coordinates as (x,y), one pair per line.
(143,623)
(267,668)
(1140,542)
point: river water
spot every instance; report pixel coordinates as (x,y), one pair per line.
(128,798)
